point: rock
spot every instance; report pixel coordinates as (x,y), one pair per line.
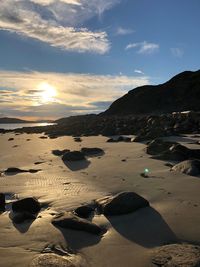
(58,152)
(121,203)
(29,204)
(51,260)
(11,139)
(119,139)
(14,170)
(22,216)
(176,152)
(177,255)
(73,156)
(189,167)
(158,146)
(84,211)
(43,137)
(69,220)
(77,139)
(2,202)
(90,151)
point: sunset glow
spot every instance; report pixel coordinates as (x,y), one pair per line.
(48,92)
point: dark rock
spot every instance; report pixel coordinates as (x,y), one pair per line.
(77,139)
(177,255)
(2,202)
(43,137)
(73,156)
(52,260)
(68,220)
(84,211)
(14,170)
(90,151)
(58,152)
(121,203)
(29,204)
(176,152)
(158,146)
(22,216)
(190,167)
(11,139)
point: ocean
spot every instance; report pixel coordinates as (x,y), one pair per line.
(11,126)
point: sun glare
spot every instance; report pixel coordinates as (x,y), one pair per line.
(48,92)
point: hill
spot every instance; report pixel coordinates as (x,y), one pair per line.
(13,120)
(180,93)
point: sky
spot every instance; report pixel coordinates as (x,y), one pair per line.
(66,57)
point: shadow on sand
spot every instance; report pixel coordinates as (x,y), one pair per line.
(77,165)
(79,239)
(21,227)
(145,227)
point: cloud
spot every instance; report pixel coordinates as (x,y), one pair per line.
(76,93)
(139,72)
(144,47)
(177,52)
(57,22)
(123,31)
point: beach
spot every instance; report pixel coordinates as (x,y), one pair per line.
(129,239)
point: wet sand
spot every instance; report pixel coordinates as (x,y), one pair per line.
(173,214)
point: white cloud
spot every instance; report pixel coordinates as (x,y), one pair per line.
(177,52)
(57,22)
(123,31)
(139,71)
(76,93)
(144,47)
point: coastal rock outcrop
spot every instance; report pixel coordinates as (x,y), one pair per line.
(189,167)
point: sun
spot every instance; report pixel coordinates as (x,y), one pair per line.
(47,92)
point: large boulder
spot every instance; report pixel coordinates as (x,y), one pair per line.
(177,255)
(2,202)
(73,156)
(121,203)
(176,152)
(158,146)
(71,221)
(51,260)
(30,205)
(189,167)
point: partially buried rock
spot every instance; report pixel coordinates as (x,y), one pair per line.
(73,156)
(84,211)
(51,260)
(22,216)
(14,170)
(189,167)
(11,139)
(77,139)
(177,255)
(29,204)
(69,220)
(121,203)
(58,152)
(90,151)
(2,202)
